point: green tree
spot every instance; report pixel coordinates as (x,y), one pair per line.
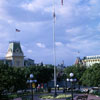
(12,78)
(15,78)
(19,78)
(43,74)
(77,70)
(91,76)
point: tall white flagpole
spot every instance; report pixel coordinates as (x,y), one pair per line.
(54,47)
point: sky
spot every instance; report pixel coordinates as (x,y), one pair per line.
(77,28)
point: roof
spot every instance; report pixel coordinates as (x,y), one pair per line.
(28,59)
(92,57)
(78,60)
(13,46)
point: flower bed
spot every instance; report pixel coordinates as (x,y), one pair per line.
(51,97)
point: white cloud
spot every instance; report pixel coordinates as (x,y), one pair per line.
(29,51)
(70,8)
(41,45)
(3,49)
(98,27)
(10,21)
(3,11)
(84,46)
(22,46)
(93,2)
(67,9)
(58,43)
(36,5)
(74,30)
(4,35)
(72,19)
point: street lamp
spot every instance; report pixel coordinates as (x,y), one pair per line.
(31,81)
(64,76)
(71,74)
(71,79)
(67,83)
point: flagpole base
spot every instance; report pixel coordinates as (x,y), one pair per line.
(55,93)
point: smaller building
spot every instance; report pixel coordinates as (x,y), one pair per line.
(5,61)
(61,66)
(88,60)
(78,61)
(28,62)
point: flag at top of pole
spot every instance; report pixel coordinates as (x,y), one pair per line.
(54,15)
(17,30)
(62,2)
(78,52)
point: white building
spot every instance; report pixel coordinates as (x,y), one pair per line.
(15,56)
(90,60)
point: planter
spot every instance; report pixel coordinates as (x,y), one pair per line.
(51,97)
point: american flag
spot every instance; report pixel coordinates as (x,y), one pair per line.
(54,15)
(17,30)
(61,2)
(78,52)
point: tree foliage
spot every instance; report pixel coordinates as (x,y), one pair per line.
(42,74)
(77,70)
(85,76)
(91,76)
(15,78)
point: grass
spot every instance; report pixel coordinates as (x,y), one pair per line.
(56,88)
(8,97)
(60,96)
(15,95)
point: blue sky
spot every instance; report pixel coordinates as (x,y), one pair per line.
(77,28)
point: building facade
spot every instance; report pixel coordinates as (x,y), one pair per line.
(28,62)
(15,56)
(88,60)
(78,61)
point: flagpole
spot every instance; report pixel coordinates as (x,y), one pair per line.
(15,34)
(78,54)
(16,30)
(54,47)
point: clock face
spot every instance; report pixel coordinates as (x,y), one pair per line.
(17,50)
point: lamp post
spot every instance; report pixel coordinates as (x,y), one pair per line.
(71,79)
(31,81)
(64,76)
(67,83)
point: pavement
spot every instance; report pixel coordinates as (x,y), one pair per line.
(36,97)
(90,97)
(17,99)
(93,97)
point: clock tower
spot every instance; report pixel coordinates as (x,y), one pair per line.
(15,54)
